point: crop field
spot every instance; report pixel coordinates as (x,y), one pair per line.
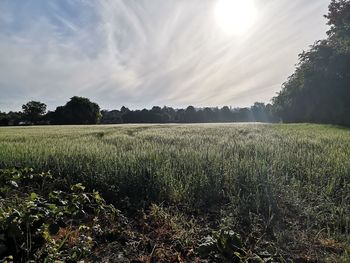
(290,184)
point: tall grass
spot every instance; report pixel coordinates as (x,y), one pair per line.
(260,169)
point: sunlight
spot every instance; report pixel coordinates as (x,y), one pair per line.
(235,17)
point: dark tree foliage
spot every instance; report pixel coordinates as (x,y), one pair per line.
(78,110)
(4,120)
(257,113)
(225,114)
(319,89)
(110,117)
(33,111)
(10,118)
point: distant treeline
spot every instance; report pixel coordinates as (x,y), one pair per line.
(259,112)
(317,92)
(81,110)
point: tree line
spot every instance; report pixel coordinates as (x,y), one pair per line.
(79,110)
(259,112)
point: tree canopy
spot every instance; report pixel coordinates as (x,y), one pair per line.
(78,110)
(33,111)
(319,90)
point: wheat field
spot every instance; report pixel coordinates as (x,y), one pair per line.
(263,169)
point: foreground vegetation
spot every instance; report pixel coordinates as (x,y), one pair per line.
(44,220)
(205,192)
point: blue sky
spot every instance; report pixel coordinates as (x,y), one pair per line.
(141,53)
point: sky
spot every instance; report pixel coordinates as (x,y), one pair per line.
(141,53)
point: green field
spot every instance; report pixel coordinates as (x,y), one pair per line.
(290,181)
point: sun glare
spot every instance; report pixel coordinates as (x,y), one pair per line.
(235,17)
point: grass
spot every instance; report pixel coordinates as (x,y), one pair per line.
(289,180)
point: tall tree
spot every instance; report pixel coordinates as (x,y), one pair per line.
(318,91)
(33,111)
(78,110)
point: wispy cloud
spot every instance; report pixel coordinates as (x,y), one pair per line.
(141,53)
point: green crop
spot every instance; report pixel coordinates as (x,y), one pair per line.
(252,169)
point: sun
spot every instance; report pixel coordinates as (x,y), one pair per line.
(235,17)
